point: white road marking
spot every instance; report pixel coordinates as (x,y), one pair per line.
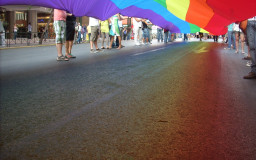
(148,51)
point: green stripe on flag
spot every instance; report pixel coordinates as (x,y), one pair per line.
(162,2)
(194,28)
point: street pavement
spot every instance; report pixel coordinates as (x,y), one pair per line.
(181,100)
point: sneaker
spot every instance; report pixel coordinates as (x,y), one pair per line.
(247,58)
(249,64)
(70,56)
(137,44)
(227,48)
(62,58)
(99,50)
(250,75)
(92,51)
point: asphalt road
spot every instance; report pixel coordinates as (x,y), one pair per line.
(175,101)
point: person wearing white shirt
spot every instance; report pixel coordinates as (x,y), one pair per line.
(29,30)
(79,28)
(2,34)
(239,33)
(137,30)
(15,29)
(94,24)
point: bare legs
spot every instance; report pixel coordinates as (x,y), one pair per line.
(69,45)
(59,49)
(237,41)
(119,39)
(111,42)
(95,44)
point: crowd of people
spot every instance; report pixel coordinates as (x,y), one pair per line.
(234,36)
(243,34)
(111,32)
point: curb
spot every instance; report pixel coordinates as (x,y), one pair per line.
(26,46)
(42,45)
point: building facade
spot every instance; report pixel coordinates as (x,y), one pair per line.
(22,15)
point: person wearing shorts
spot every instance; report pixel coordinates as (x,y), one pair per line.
(238,34)
(104,28)
(60,31)
(145,32)
(94,24)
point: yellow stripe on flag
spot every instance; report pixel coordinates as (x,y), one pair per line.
(203,31)
(178,7)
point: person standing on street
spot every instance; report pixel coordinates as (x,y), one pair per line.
(124,33)
(60,31)
(15,30)
(2,34)
(84,32)
(89,32)
(70,34)
(166,35)
(159,34)
(145,31)
(29,30)
(79,29)
(115,31)
(239,35)
(137,30)
(250,31)
(185,37)
(94,24)
(120,25)
(104,28)
(231,37)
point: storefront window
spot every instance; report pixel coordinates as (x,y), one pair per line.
(21,16)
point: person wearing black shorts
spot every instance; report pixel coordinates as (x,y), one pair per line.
(70,34)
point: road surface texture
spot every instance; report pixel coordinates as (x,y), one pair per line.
(175,101)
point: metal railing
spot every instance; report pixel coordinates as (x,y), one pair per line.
(28,38)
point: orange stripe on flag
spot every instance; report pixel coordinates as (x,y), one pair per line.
(199,13)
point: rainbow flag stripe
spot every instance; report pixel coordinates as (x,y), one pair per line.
(179,16)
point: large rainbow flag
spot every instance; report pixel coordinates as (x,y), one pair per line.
(179,16)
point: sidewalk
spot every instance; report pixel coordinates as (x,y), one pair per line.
(22,43)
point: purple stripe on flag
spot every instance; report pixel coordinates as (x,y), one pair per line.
(101,9)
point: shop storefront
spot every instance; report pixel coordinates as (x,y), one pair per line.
(42,20)
(22,16)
